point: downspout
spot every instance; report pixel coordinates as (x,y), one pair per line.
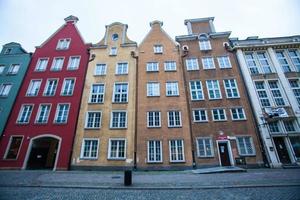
(185,53)
(133,55)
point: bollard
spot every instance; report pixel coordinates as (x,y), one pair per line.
(127,177)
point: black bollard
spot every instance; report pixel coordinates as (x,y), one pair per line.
(127,177)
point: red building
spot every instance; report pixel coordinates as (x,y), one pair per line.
(41,128)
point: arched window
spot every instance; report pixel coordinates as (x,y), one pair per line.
(204,42)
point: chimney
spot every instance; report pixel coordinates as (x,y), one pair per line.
(71,19)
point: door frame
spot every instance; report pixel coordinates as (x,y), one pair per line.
(30,147)
(287,146)
(229,149)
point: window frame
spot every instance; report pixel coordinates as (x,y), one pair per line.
(221,59)
(192,68)
(205,150)
(9,145)
(58,46)
(64,84)
(171,63)
(118,150)
(155,151)
(91,94)
(231,88)
(21,112)
(105,69)
(70,61)
(47,85)
(117,68)
(54,62)
(113,51)
(200,116)
(154,121)
(244,142)
(82,157)
(11,71)
(87,117)
(119,117)
(238,114)
(158,49)
(153,89)
(57,111)
(30,86)
(120,93)
(206,60)
(174,119)
(176,149)
(218,120)
(150,66)
(4,86)
(172,87)
(196,90)
(39,113)
(214,90)
(36,69)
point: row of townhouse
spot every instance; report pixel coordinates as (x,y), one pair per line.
(200,100)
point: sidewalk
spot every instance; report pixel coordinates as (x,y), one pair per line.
(151,179)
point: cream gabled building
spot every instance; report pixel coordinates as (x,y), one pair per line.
(106,123)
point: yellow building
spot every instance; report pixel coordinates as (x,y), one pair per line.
(106,124)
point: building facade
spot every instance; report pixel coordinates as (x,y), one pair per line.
(106,126)
(163,131)
(271,69)
(14,61)
(222,123)
(40,131)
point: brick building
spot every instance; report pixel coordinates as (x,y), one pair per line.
(222,123)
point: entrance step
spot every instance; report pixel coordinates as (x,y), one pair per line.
(218,170)
(290,166)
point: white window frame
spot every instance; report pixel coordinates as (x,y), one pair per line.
(123,72)
(156,92)
(203,139)
(54,63)
(264,90)
(70,90)
(153,118)
(279,88)
(224,62)
(194,64)
(94,119)
(37,67)
(265,59)
(97,94)
(174,119)
(104,71)
(199,110)
(28,114)
(244,143)
(2,68)
(45,116)
(111,119)
(90,149)
(30,87)
(158,49)
(292,58)
(170,66)
(120,93)
(238,114)
(172,85)
(204,45)
(52,88)
(13,69)
(218,110)
(231,88)
(152,67)
(206,61)
(70,63)
(117,152)
(296,89)
(196,90)
(5,89)
(176,149)
(286,66)
(8,147)
(63,44)
(113,51)
(214,90)
(57,111)
(155,151)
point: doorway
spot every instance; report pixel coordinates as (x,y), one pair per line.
(43,153)
(282,150)
(224,154)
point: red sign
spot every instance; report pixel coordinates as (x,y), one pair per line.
(222,137)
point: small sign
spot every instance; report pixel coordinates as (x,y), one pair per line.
(222,137)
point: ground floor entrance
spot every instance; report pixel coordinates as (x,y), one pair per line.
(43,153)
(281,149)
(225,155)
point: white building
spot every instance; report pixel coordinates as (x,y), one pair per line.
(271,71)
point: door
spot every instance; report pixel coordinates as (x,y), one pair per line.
(224,155)
(281,150)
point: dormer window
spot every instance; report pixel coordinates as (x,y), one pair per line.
(113,51)
(63,44)
(204,42)
(158,48)
(8,51)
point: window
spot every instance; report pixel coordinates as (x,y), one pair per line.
(122,68)
(192,64)
(43,114)
(4,89)
(245,146)
(158,49)
(115,37)
(24,114)
(33,88)
(62,113)
(154,151)
(117,149)
(13,147)
(264,62)
(153,119)
(118,119)
(57,64)
(152,67)
(224,62)
(289,126)
(196,90)
(113,51)
(68,87)
(170,66)
(97,93)
(219,115)
(200,115)
(93,119)
(204,45)
(8,51)
(13,69)
(89,149)
(283,61)
(274,127)
(295,85)
(41,64)
(153,89)
(276,93)
(50,87)
(174,119)
(73,63)
(252,65)
(100,69)
(213,89)
(208,63)
(295,57)
(172,89)
(231,88)
(63,44)
(295,142)
(2,67)
(205,147)
(176,150)
(262,94)
(238,114)
(120,93)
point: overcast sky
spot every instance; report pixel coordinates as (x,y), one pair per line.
(30,22)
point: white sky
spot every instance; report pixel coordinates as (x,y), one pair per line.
(30,22)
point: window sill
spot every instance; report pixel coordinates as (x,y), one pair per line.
(154,162)
(115,128)
(120,159)
(173,95)
(174,126)
(200,121)
(153,127)
(92,103)
(175,162)
(88,158)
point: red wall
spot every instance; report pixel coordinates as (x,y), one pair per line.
(65,131)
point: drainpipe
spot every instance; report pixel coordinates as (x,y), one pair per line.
(185,53)
(133,55)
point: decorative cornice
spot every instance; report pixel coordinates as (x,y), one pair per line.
(198,20)
(195,37)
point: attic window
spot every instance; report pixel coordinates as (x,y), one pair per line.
(63,44)
(204,42)
(8,51)
(158,48)
(115,37)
